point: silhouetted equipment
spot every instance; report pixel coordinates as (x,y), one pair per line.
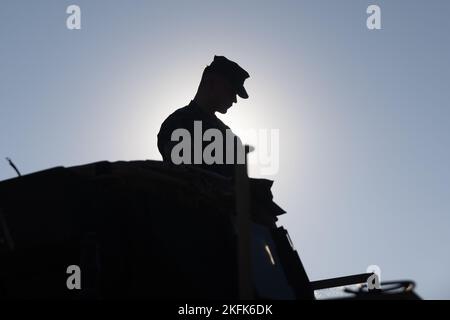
(146,229)
(13,166)
(243,234)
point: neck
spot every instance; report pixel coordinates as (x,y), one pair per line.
(203,104)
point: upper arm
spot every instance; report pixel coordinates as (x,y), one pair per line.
(165,142)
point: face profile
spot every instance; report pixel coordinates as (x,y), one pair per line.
(224,94)
(222,81)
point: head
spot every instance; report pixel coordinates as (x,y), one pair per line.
(221,82)
(216,92)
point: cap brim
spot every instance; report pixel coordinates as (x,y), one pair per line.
(242,92)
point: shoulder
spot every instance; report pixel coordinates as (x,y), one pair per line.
(181,118)
(176,119)
(181,112)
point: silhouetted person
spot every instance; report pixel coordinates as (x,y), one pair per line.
(221,82)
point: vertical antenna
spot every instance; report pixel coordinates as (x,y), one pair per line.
(242,188)
(13,166)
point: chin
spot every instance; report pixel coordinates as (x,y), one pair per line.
(223,110)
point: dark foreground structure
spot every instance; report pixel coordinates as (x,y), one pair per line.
(146,229)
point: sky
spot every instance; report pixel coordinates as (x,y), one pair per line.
(362,115)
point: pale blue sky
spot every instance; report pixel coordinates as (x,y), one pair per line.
(363,115)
